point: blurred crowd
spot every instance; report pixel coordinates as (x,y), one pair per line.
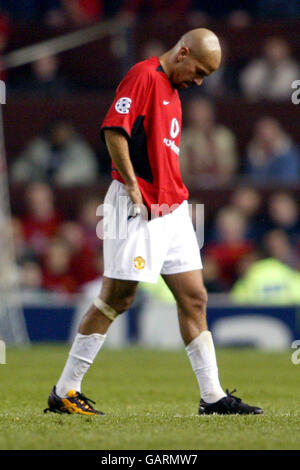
(247,231)
(63,255)
(267,76)
(210,156)
(82,12)
(53,253)
(252,242)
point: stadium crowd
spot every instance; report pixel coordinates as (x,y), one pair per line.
(53,253)
(82,12)
(62,254)
(235,77)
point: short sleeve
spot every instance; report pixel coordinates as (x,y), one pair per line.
(129,102)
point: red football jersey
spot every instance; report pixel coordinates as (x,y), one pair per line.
(147,110)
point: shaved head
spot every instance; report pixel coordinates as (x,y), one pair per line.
(200,41)
(196,55)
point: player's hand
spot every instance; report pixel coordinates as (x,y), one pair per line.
(137,199)
(134,193)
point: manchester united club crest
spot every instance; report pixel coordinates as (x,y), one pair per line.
(139,262)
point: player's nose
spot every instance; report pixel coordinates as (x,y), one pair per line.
(198,81)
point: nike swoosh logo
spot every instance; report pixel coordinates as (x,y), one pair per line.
(166,102)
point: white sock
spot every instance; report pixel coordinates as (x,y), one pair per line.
(82,354)
(201,352)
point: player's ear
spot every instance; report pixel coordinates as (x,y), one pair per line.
(183,52)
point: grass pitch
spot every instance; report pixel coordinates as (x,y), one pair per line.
(151,400)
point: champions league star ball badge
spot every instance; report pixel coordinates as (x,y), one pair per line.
(139,262)
(123,105)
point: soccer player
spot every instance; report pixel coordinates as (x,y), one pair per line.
(142,133)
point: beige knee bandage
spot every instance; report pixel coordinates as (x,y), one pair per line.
(109,312)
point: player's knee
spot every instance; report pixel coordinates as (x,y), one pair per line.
(202,298)
(197,301)
(114,307)
(125,303)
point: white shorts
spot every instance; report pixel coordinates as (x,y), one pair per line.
(141,250)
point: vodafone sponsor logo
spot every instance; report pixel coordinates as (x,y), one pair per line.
(170,143)
(174,131)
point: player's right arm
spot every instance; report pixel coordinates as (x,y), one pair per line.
(118,149)
(127,107)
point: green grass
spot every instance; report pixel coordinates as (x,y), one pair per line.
(151,400)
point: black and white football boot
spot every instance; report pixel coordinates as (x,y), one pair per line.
(229,405)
